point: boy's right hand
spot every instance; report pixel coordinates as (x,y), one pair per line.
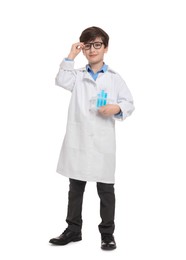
(75,50)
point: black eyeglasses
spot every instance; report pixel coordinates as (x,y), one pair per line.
(96,45)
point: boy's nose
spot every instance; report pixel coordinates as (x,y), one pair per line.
(92,48)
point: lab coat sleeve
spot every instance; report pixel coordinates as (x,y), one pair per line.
(125,101)
(66,76)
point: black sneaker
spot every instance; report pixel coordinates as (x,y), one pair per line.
(66,237)
(107,242)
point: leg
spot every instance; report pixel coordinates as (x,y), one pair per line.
(75,200)
(107,207)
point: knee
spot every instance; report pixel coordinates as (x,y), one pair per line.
(77,186)
(105,187)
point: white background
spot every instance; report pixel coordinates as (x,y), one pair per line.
(147,47)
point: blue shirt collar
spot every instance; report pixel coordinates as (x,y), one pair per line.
(103,68)
(95,75)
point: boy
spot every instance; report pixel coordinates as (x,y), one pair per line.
(99,96)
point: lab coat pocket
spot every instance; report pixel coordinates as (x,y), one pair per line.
(105,141)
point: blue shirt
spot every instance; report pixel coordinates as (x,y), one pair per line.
(95,75)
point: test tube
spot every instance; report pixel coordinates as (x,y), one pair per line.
(98,100)
(102,98)
(105,99)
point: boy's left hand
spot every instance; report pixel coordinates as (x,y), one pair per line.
(109,110)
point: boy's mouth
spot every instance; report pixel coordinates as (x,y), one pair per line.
(93,55)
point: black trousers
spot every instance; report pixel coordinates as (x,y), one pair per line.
(107,206)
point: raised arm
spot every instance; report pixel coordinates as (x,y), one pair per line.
(66,76)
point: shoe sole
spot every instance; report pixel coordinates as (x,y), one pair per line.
(63,244)
(108,248)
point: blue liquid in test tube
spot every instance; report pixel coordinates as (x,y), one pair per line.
(101,99)
(105,99)
(98,100)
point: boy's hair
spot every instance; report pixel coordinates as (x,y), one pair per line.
(91,33)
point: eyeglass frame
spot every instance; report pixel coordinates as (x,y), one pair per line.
(92,44)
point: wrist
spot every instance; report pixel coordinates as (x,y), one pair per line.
(71,56)
(67,59)
(117,109)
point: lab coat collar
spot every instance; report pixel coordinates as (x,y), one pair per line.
(108,69)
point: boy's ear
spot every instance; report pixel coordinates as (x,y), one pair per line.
(106,49)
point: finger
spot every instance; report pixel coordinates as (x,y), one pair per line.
(101,109)
(79,45)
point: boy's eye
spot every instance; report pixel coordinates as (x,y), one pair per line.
(87,46)
(97,45)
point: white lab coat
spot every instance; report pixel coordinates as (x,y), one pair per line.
(88,150)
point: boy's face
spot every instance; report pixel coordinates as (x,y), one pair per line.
(95,54)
